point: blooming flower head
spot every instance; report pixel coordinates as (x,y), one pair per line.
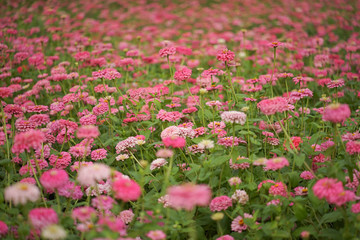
(234,181)
(3,228)
(167,51)
(54,178)
(278,189)
(240,196)
(88,131)
(327,187)
(189,195)
(234,117)
(220,203)
(91,174)
(156,235)
(20,193)
(126,189)
(175,142)
(273,105)
(225,55)
(25,141)
(336,113)
(206,144)
(276,163)
(53,232)
(42,217)
(157,163)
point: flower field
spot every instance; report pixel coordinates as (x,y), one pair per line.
(180,119)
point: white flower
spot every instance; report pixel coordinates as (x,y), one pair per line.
(22,193)
(157,163)
(53,232)
(240,196)
(206,144)
(122,157)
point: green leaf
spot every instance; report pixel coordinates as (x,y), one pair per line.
(331,217)
(299,211)
(330,233)
(299,159)
(218,160)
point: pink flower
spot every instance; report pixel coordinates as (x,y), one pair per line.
(54,178)
(169,116)
(225,55)
(336,113)
(83,214)
(166,52)
(183,74)
(127,216)
(42,217)
(175,142)
(189,195)
(60,161)
(278,189)
(220,203)
(273,105)
(353,147)
(126,189)
(238,225)
(276,163)
(25,141)
(234,117)
(157,163)
(327,188)
(355,208)
(98,154)
(88,131)
(102,202)
(91,174)
(156,235)
(22,193)
(3,228)
(275,44)
(225,237)
(240,196)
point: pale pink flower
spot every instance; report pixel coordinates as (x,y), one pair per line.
(220,203)
(21,193)
(189,195)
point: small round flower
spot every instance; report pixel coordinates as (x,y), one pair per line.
(234,117)
(307,175)
(54,178)
(88,131)
(42,217)
(225,55)
(234,181)
(189,195)
(273,105)
(22,193)
(83,214)
(276,163)
(336,113)
(240,196)
(157,163)
(164,153)
(53,232)
(355,208)
(175,142)
(156,235)
(127,216)
(278,189)
(98,154)
(122,157)
(3,228)
(126,189)
(238,225)
(225,237)
(220,203)
(91,174)
(206,144)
